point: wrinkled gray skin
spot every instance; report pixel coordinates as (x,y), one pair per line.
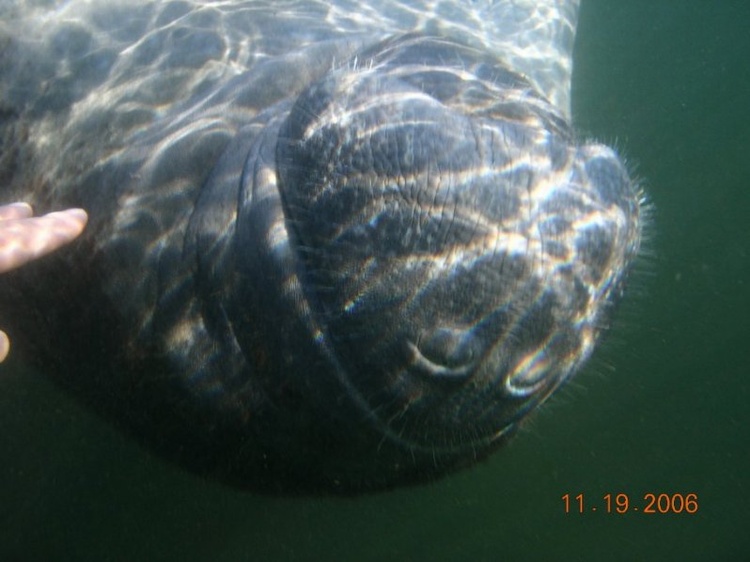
(330,249)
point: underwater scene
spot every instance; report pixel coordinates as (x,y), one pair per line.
(592,408)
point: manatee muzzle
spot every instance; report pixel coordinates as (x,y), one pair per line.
(455,248)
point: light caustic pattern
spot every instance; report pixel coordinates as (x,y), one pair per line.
(395,183)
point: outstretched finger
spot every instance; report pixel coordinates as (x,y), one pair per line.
(25,239)
(4,346)
(15,211)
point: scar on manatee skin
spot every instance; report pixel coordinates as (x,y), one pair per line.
(24,237)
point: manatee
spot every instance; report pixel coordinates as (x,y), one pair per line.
(332,247)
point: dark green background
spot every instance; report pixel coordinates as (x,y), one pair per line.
(663,407)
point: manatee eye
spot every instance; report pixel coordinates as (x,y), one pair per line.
(446,353)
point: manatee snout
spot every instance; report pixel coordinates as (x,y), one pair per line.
(451,235)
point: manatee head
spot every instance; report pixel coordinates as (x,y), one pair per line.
(458,250)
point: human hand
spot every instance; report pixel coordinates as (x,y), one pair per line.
(24,238)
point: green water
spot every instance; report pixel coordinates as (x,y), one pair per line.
(663,408)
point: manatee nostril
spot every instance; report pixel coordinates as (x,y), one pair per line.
(446,353)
